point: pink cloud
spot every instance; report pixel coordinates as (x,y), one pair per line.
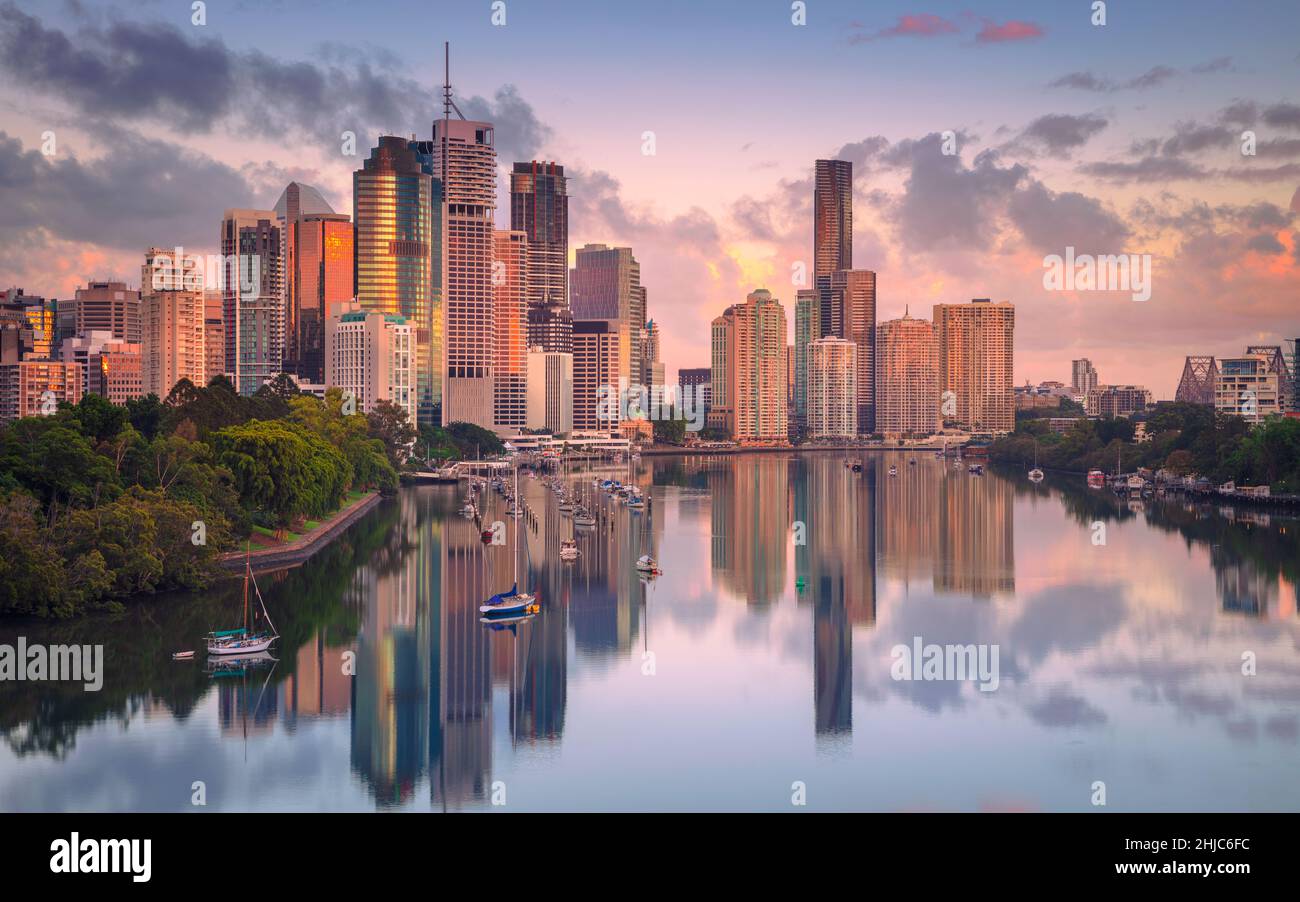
(919,25)
(1012,30)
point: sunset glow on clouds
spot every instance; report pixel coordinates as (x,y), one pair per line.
(1116,139)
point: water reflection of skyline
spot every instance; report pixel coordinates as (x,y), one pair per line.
(437,707)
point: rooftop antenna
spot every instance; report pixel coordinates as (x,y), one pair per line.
(447,103)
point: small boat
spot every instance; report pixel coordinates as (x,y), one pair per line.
(182,656)
(486,536)
(857,467)
(566,507)
(975,470)
(646,564)
(568,550)
(514,601)
(893,471)
(912,462)
(244,641)
(1035,475)
(1096,479)
(636,502)
(582,517)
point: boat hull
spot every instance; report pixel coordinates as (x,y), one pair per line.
(244,647)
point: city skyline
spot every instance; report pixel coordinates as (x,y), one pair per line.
(1078,139)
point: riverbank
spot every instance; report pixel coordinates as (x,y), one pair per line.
(295,553)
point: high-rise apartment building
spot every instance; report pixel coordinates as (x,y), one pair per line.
(975,343)
(605,284)
(832,216)
(214,335)
(172,321)
(510,372)
(539,206)
(33,388)
(319,257)
(1279,366)
(599,350)
(1083,376)
(907,387)
(253,303)
(550,391)
(372,355)
(847,300)
(722,350)
(464,158)
(832,395)
(106,306)
(757,370)
(807,329)
(397,255)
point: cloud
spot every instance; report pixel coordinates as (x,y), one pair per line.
(1060,133)
(1149,169)
(157,73)
(1051,221)
(922,25)
(1087,81)
(1012,30)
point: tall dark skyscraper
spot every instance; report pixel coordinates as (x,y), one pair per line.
(833,217)
(539,207)
(847,309)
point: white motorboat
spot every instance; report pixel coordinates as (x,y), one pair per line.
(1035,475)
(568,550)
(646,564)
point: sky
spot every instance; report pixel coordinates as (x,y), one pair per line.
(1116,138)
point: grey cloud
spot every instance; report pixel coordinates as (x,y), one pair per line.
(1051,221)
(139,192)
(157,73)
(1087,81)
(1062,709)
(1265,244)
(1146,170)
(1060,133)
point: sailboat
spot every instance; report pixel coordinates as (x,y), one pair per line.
(512,603)
(1035,475)
(244,641)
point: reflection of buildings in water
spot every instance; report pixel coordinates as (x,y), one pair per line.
(976,536)
(1244,588)
(605,593)
(245,703)
(908,517)
(751,525)
(390,728)
(319,685)
(837,566)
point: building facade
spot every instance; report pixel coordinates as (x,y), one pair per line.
(976,359)
(253,304)
(605,285)
(172,308)
(1111,401)
(847,299)
(599,350)
(106,307)
(33,388)
(832,216)
(539,207)
(757,370)
(550,391)
(832,395)
(1083,377)
(907,393)
(398,256)
(319,256)
(372,355)
(464,158)
(1247,387)
(510,373)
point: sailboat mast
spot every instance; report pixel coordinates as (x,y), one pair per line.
(248,571)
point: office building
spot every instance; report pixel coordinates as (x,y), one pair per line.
(252,301)
(550,391)
(539,207)
(832,216)
(509,398)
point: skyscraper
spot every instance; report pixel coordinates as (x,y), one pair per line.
(832,216)
(605,284)
(465,159)
(1083,376)
(598,351)
(397,255)
(106,306)
(550,390)
(976,342)
(371,355)
(722,340)
(848,310)
(907,391)
(539,206)
(756,360)
(832,389)
(252,303)
(807,329)
(171,314)
(510,372)
(318,267)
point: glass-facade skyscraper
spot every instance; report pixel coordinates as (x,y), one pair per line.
(398,253)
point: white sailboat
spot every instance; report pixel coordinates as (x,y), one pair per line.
(514,602)
(244,641)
